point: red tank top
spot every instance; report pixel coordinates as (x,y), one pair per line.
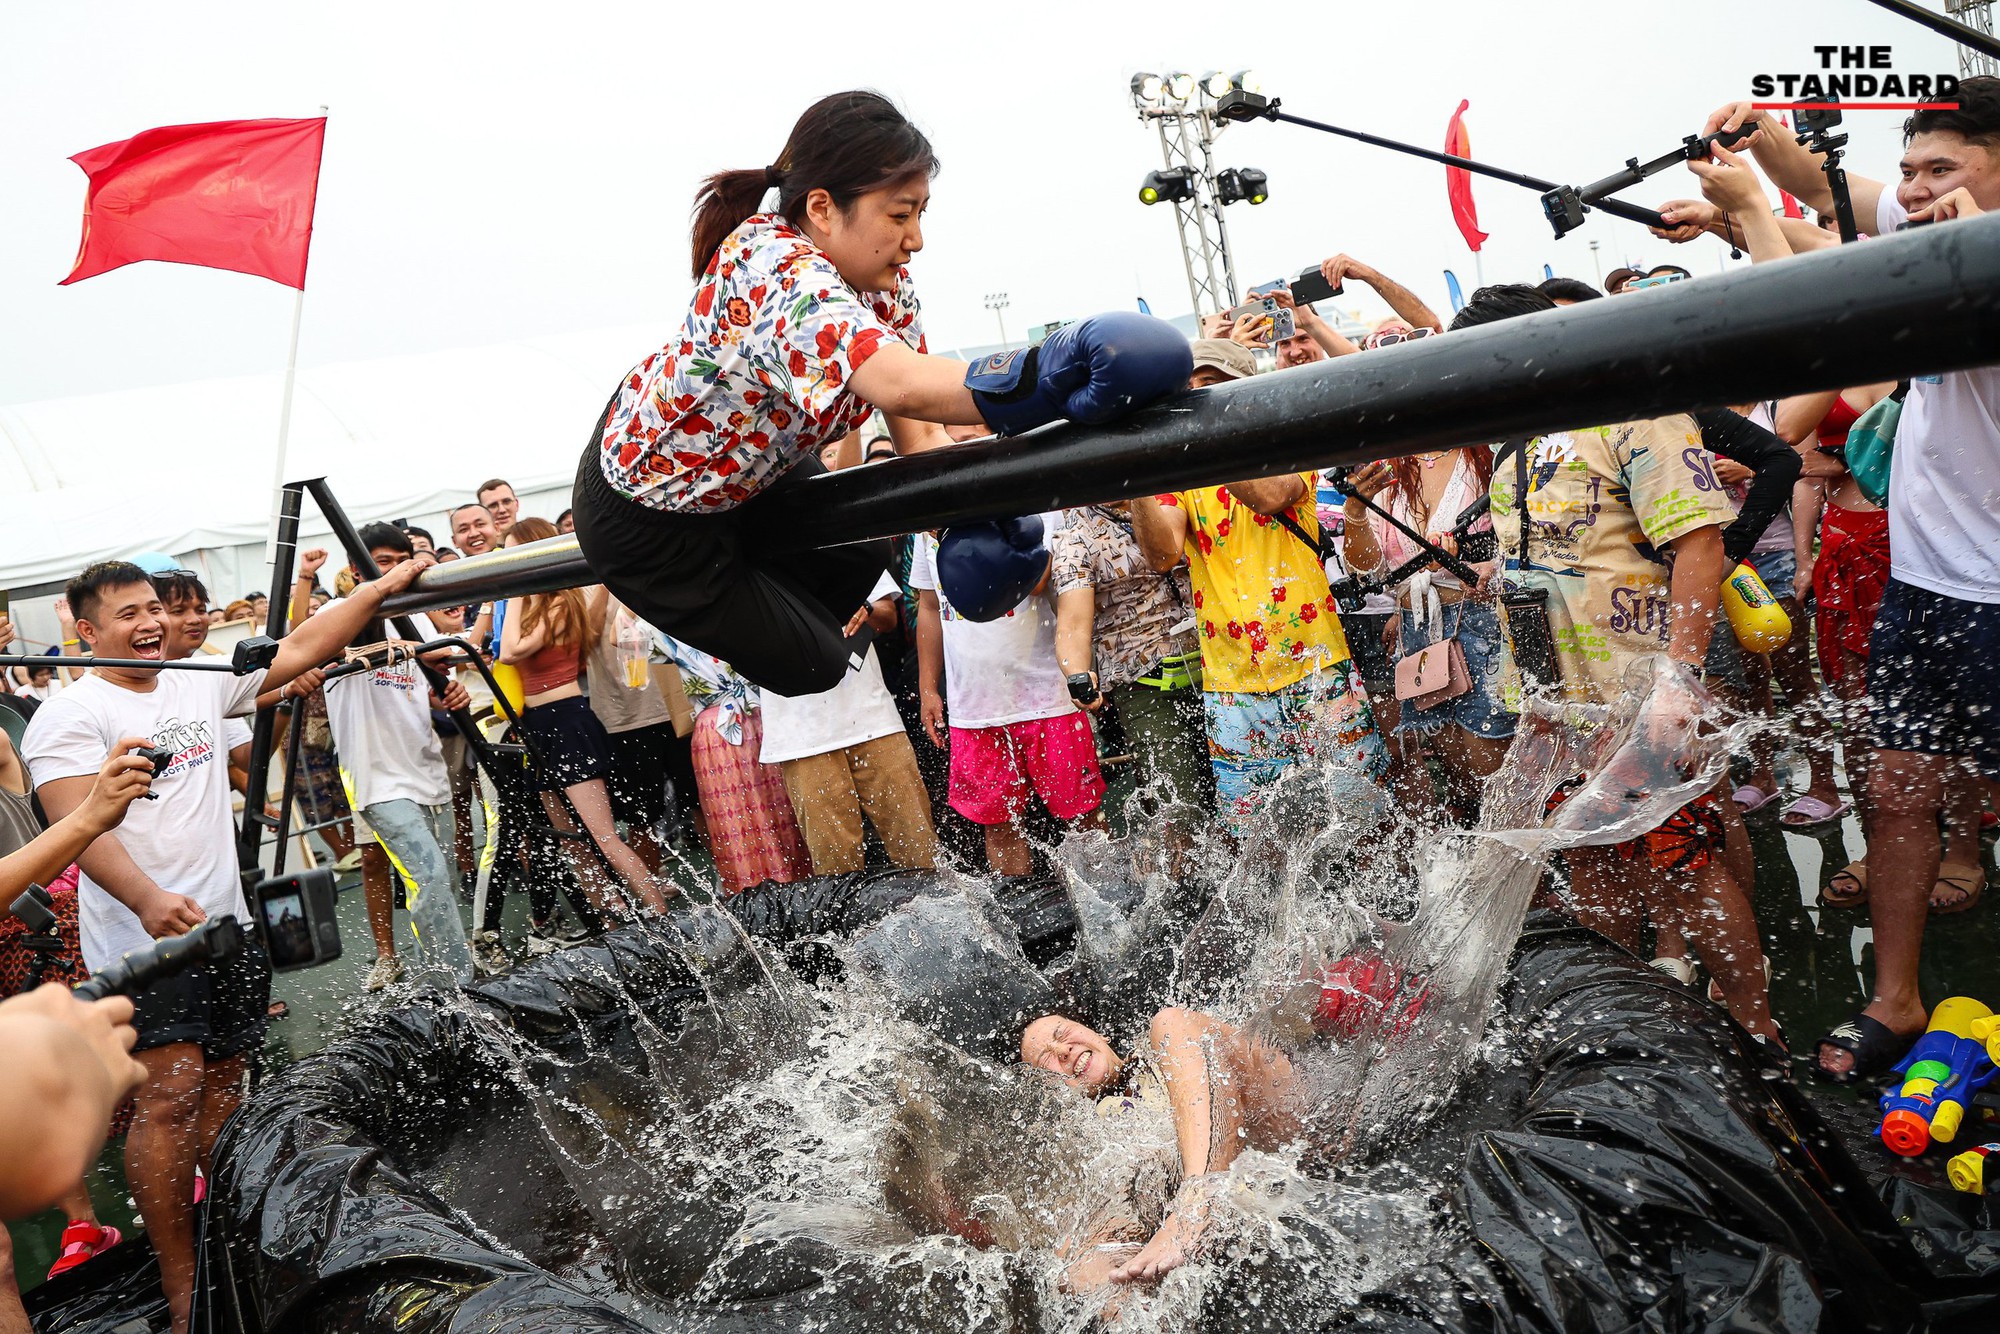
(1832,429)
(550,667)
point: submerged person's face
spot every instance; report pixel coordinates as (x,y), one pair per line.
(1081,1057)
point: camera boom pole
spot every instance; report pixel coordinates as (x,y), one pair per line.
(1617,208)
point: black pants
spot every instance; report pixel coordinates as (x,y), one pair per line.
(777,618)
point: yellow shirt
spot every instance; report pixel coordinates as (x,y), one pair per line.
(1261,601)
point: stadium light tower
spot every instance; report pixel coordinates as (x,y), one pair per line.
(1978,15)
(1181,107)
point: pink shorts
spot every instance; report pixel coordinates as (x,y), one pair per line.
(992,767)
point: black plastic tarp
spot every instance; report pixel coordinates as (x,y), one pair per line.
(1634,1163)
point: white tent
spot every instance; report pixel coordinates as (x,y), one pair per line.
(186,468)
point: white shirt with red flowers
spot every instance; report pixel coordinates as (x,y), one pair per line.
(757,377)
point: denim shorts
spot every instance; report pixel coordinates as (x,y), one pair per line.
(1931,684)
(1479,710)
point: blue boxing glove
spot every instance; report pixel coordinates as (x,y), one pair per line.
(985,569)
(1090,371)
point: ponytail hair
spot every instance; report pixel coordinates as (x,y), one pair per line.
(847,145)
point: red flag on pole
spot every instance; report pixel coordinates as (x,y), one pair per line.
(229,194)
(1458,181)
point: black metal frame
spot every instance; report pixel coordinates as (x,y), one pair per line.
(1983,42)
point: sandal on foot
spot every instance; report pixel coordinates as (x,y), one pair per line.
(1680,970)
(1809,812)
(1874,1046)
(1832,896)
(1750,799)
(1967,881)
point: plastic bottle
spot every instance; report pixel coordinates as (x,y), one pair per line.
(1760,623)
(634,647)
(1968,1170)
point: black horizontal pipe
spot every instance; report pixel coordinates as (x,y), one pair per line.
(1923,301)
(533,567)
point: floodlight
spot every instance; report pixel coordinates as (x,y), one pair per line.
(1172,184)
(1215,83)
(1146,89)
(1249,80)
(1180,86)
(1247,183)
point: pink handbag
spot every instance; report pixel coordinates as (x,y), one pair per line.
(1432,675)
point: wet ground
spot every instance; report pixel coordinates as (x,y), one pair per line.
(1820,960)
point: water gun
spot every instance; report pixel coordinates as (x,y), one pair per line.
(1940,1075)
(1759,622)
(1987,1030)
(1968,1170)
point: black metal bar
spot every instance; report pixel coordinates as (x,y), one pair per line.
(349,537)
(1963,34)
(533,567)
(1645,217)
(250,836)
(294,746)
(1922,301)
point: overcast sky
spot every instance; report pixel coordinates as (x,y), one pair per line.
(500,171)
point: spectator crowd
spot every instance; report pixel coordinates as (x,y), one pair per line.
(1380,625)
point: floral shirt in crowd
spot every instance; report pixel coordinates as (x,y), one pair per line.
(711,683)
(1603,503)
(1262,605)
(757,377)
(1137,608)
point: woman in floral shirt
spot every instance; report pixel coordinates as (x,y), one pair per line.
(776,357)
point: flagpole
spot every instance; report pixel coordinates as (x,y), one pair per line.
(285,421)
(285,427)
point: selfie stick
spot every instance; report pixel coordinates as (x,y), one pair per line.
(252,654)
(1820,139)
(217,938)
(1239,105)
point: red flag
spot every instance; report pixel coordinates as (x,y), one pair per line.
(1792,208)
(1458,181)
(230,194)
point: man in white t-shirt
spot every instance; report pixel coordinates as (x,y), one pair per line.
(1013,727)
(844,753)
(392,766)
(1934,699)
(168,868)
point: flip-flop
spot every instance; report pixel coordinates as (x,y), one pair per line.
(1873,1045)
(1968,880)
(1854,871)
(1809,810)
(1680,970)
(1750,799)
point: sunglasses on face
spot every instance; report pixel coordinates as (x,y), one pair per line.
(1391,339)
